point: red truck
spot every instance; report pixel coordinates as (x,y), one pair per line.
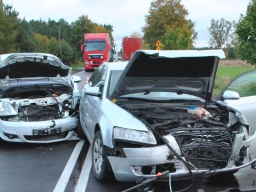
(130,45)
(96,49)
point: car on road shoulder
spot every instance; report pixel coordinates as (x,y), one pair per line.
(155,113)
(39,98)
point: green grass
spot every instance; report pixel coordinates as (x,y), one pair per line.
(77,65)
(225,74)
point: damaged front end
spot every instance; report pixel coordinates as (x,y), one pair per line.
(214,142)
(39,113)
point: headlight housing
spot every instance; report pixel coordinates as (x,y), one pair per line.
(6,109)
(133,135)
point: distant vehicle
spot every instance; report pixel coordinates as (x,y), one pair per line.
(114,56)
(97,48)
(39,98)
(155,114)
(120,58)
(130,46)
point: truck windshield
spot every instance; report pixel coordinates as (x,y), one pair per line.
(95,45)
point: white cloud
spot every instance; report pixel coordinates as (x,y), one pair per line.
(128,16)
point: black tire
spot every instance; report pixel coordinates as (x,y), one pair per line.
(99,159)
(79,131)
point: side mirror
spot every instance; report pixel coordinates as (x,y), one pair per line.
(76,79)
(232,95)
(93,91)
(82,47)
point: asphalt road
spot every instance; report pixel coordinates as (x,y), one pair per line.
(58,167)
(33,167)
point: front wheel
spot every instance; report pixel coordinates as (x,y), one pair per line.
(99,159)
(79,131)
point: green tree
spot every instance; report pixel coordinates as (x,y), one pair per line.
(39,26)
(136,34)
(164,14)
(66,53)
(8,29)
(59,30)
(25,39)
(101,29)
(53,46)
(219,33)
(177,39)
(64,30)
(191,27)
(108,27)
(246,34)
(42,43)
(81,26)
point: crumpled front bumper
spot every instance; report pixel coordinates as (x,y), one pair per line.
(21,131)
(130,167)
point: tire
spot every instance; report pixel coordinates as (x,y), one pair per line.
(79,131)
(99,159)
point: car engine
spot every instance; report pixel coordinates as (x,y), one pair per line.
(38,105)
(206,142)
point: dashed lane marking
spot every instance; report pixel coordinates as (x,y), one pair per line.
(84,176)
(63,180)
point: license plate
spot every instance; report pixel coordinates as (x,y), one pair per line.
(47,131)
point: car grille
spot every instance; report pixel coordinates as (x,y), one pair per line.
(46,137)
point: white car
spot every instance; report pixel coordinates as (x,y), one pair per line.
(39,98)
(155,114)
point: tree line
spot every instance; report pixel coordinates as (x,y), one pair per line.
(56,37)
(167,21)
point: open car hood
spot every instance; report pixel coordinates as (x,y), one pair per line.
(31,65)
(184,72)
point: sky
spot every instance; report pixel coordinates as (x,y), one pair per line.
(128,16)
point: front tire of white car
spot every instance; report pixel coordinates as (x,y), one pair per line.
(99,159)
(79,131)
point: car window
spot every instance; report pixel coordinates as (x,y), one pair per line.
(114,77)
(244,84)
(98,77)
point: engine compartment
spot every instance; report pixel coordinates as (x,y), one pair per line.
(205,142)
(39,104)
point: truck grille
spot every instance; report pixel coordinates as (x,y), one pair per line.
(95,56)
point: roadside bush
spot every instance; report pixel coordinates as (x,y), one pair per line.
(65,53)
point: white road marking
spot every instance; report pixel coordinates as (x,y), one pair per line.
(84,176)
(63,180)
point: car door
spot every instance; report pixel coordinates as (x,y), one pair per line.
(90,103)
(245,86)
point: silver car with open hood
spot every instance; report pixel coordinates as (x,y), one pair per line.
(39,98)
(156,113)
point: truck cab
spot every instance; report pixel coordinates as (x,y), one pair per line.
(96,50)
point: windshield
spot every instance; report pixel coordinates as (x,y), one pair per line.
(95,45)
